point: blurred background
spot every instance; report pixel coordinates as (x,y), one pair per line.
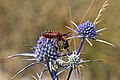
(22,21)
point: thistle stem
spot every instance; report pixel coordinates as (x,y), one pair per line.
(52,73)
(70,72)
(80,46)
(79,49)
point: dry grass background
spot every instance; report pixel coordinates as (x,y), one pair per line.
(22,21)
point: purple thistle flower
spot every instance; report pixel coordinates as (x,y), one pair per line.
(45,49)
(87,30)
(44,52)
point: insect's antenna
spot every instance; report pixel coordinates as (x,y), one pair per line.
(87,11)
(96,21)
(70,16)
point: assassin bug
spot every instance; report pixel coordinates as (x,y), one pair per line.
(61,42)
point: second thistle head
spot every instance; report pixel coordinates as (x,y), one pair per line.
(87,29)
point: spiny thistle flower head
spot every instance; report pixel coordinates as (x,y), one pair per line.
(73,58)
(87,29)
(45,49)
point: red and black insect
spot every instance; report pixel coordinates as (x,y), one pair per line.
(51,34)
(61,41)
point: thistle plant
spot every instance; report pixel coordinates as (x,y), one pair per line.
(52,49)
